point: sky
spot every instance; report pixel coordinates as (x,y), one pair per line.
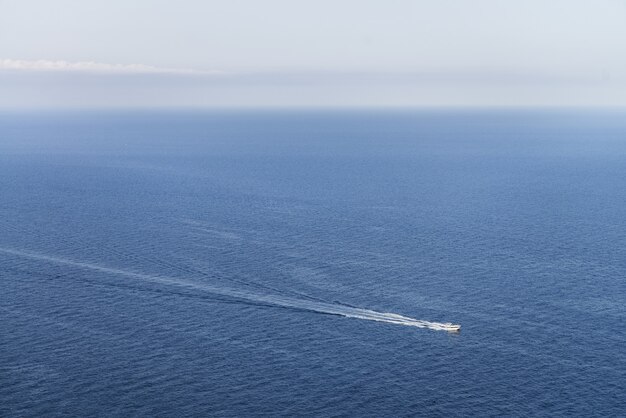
(280,53)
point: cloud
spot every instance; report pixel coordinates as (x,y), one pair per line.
(61,84)
(91,67)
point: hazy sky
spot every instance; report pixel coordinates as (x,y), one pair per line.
(312,53)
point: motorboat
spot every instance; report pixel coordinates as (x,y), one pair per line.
(450,327)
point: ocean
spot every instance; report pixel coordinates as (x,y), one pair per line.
(299,263)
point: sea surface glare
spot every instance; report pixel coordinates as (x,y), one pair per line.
(278,263)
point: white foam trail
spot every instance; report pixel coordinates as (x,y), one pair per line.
(276,300)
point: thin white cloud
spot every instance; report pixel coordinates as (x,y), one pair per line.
(91,67)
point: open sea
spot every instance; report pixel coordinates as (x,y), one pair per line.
(299,263)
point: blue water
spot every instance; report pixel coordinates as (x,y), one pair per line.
(180,263)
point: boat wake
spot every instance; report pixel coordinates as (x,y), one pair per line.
(243,295)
